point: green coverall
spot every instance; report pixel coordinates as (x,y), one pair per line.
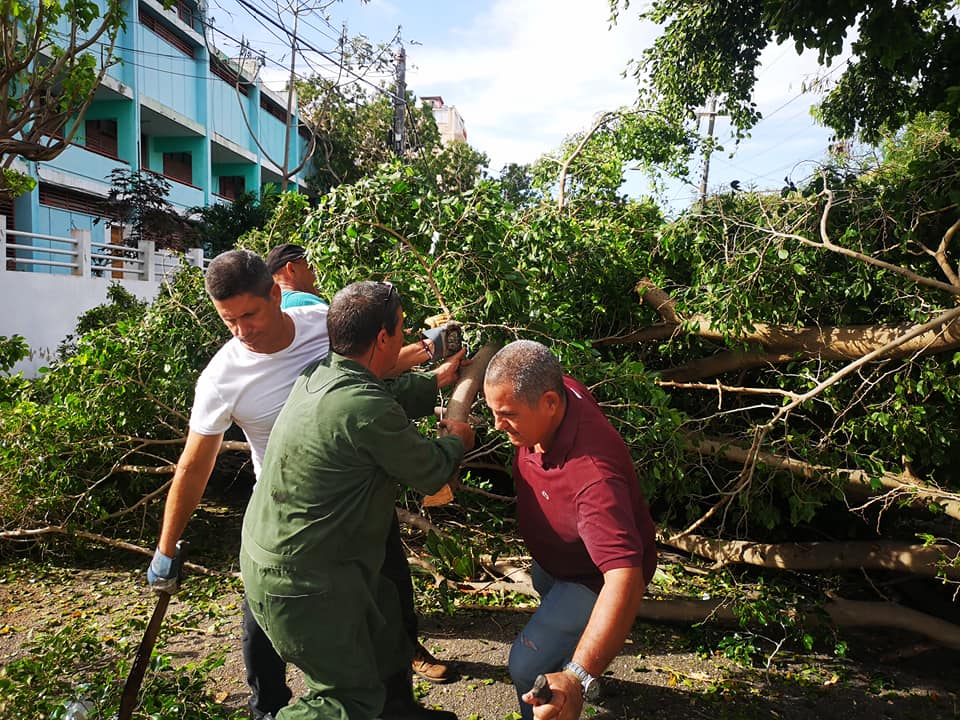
(315,529)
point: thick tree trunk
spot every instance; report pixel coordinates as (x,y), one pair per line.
(904,486)
(875,555)
(458,408)
(781,343)
(843,613)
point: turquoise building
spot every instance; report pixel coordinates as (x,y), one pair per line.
(174,106)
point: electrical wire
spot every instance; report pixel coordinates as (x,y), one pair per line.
(346,69)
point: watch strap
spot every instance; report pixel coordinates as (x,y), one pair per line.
(585,678)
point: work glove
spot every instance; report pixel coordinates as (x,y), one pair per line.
(447,340)
(164,571)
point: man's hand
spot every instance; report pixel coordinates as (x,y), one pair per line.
(163,574)
(462,430)
(567,700)
(411,355)
(448,371)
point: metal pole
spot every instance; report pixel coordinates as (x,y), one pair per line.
(400,105)
(711,114)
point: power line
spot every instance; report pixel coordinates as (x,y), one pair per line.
(321,53)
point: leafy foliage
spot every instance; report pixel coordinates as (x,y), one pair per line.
(355,136)
(76,666)
(713,49)
(747,263)
(118,398)
(55,54)
(77,649)
(220,226)
(137,201)
(743,265)
(12,350)
(593,162)
(122,305)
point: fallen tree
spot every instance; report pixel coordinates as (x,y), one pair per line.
(851,431)
(936,560)
(842,612)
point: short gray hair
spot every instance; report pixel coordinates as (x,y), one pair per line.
(237,272)
(529,368)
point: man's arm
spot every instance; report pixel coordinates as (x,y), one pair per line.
(410,356)
(417,391)
(189,481)
(608,627)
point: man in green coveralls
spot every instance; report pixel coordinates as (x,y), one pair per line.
(315,529)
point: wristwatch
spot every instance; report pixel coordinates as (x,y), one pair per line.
(591,688)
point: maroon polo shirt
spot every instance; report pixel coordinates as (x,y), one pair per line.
(579,505)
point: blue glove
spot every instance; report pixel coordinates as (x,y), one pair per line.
(164,572)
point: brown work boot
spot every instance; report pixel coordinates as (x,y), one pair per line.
(428,667)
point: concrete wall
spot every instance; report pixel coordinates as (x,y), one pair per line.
(44,309)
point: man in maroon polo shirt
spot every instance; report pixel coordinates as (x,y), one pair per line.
(585,520)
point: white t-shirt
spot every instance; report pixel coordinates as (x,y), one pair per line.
(249,389)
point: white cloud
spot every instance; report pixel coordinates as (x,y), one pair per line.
(526,73)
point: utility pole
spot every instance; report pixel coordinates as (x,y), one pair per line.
(711,114)
(291,90)
(400,104)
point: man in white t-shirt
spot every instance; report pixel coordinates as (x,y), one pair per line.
(247,383)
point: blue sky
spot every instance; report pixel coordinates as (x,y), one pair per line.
(526,73)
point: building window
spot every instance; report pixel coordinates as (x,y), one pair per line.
(158,28)
(273,109)
(69,199)
(6,210)
(186,14)
(102,137)
(179,166)
(228,76)
(232,186)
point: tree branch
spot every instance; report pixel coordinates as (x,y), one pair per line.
(857,480)
(940,254)
(924,560)
(102,540)
(562,182)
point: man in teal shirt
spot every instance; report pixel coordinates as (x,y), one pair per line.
(315,529)
(288,265)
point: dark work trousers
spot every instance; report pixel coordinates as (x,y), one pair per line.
(266,672)
(397,570)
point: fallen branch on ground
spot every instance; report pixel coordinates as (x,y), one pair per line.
(856,480)
(842,612)
(870,555)
(102,540)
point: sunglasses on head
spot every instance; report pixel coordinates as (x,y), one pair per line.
(390,289)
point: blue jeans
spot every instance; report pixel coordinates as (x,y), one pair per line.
(547,642)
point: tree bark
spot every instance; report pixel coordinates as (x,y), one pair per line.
(843,613)
(781,343)
(870,555)
(903,485)
(458,408)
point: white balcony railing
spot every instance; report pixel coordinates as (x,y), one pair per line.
(80,255)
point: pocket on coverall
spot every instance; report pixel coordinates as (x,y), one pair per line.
(325,633)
